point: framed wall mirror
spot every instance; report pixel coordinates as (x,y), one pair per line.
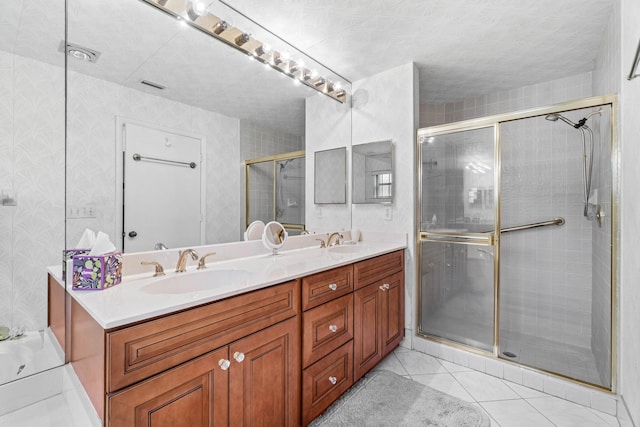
(330,180)
(372,169)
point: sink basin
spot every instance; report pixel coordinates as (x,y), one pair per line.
(348,249)
(198,281)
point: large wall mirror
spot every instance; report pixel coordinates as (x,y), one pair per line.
(372,172)
(191,108)
(32,211)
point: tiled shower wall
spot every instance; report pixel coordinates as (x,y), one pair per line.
(93,106)
(32,165)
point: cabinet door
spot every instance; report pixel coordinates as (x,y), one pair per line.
(392,312)
(367,348)
(264,378)
(193,394)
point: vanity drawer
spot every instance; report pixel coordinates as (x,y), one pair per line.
(323,287)
(326,328)
(324,381)
(374,269)
(140,351)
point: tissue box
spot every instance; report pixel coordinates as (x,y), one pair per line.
(67,254)
(97,272)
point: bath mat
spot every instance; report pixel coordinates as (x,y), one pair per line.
(383,398)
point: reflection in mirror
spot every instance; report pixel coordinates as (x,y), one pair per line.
(274,236)
(181,86)
(32,211)
(372,169)
(330,181)
(274,190)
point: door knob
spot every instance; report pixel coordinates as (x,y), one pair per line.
(238,356)
(224,364)
(132,234)
(333,328)
(333,380)
(333,286)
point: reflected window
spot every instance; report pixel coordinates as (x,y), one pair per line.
(382,184)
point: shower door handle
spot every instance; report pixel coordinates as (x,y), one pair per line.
(133,234)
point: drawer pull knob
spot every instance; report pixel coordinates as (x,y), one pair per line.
(333,328)
(224,364)
(333,286)
(333,380)
(238,356)
(385,287)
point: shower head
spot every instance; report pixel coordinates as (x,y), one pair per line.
(555,117)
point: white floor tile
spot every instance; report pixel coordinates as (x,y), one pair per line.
(446,384)
(524,392)
(452,367)
(484,387)
(391,363)
(566,414)
(515,413)
(417,363)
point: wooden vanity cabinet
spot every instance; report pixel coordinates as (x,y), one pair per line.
(327,339)
(378,310)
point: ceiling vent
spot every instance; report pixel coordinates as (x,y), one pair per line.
(152,84)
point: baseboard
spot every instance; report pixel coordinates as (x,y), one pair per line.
(28,390)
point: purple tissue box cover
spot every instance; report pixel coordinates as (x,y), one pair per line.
(67,254)
(97,272)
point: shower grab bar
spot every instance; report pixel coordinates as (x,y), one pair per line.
(555,221)
(632,75)
(137,157)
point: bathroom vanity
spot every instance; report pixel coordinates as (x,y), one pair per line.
(290,337)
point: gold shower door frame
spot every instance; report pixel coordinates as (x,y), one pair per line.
(493,240)
(274,159)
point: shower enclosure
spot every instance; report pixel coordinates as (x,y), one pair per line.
(517,230)
(274,190)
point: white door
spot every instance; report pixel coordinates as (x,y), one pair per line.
(162,189)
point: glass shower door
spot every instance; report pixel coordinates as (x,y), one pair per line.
(456,231)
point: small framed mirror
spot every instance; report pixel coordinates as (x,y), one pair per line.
(372,169)
(274,236)
(330,178)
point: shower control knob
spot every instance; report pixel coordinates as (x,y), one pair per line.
(132,234)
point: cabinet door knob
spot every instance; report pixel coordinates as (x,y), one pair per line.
(224,364)
(333,286)
(238,356)
(333,380)
(333,328)
(384,287)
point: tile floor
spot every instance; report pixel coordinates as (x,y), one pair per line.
(507,404)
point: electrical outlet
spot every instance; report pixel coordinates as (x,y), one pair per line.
(388,213)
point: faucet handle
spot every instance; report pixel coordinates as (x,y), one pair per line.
(202,264)
(159,269)
(322,243)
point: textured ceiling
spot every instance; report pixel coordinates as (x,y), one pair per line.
(462,48)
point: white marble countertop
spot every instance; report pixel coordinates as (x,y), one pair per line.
(141,296)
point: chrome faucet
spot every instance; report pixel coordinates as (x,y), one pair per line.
(182,259)
(337,235)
